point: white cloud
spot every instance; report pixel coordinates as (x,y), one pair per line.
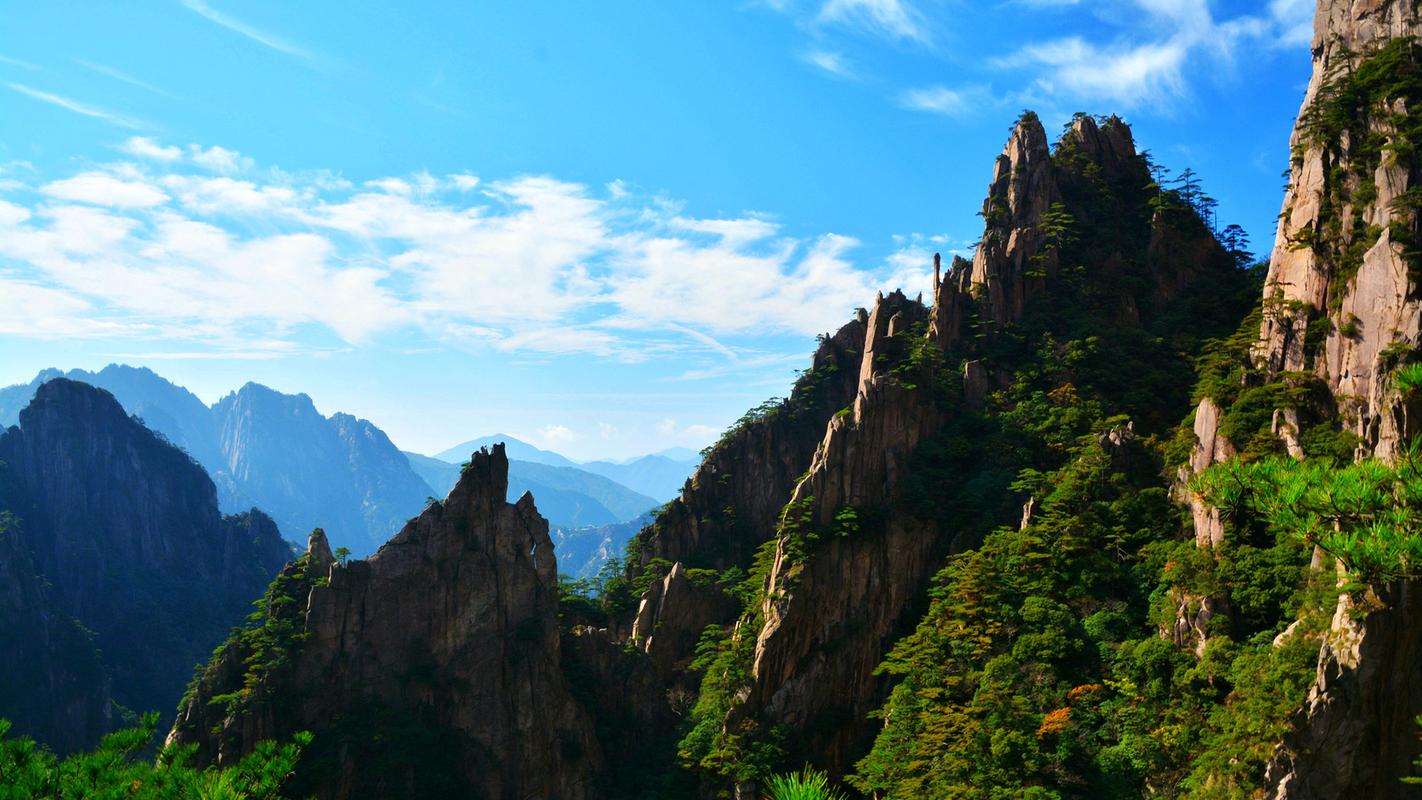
(219,159)
(893,19)
(1294,19)
(1183,39)
(238,26)
(534,265)
(70,104)
(143,147)
(557,434)
(935,99)
(102,189)
(833,63)
(694,435)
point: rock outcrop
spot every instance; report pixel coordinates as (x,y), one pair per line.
(447,636)
(1357,732)
(853,555)
(1342,302)
(1342,249)
(123,530)
(732,504)
(733,501)
(828,619)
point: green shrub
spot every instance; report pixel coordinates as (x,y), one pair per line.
(805,785)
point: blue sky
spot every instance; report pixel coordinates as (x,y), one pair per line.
(607,228)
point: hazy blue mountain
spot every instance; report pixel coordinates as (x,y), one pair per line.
(109,527)
(270,450)
(583,550)
(567,496)
(338,473)
(439,474)
(517,451)
(679,454)
(622,502)
(656,476)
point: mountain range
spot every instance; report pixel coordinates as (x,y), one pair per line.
(1118,514)
(274,451)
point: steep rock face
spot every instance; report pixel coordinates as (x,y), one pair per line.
(450,628)
(856,544)
(1345,227)
(827,619)
(751,471)
(1357,733)
(1345,253)
(1036,196)
(124,528)
(1021,194)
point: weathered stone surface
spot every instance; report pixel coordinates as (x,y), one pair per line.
(751,472)
(1210,448)
(1356,735)
(671,617)
(1022,190)
(827,621)
(1378,302)
(454,623)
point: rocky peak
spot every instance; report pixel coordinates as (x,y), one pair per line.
(1109,144)
(450,631)
(318,552)
(1022,191)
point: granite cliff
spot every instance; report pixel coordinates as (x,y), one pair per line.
(112,528)
(447,639)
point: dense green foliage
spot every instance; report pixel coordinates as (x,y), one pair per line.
(1368,515)
(267,644)
(804,785)
(117,769)
(1004,688)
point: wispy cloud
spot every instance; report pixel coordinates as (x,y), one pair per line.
(530,265)
(255,34)
(892,19)
(144,147)
(1182,39)
(833,63)
(15,62)
(935,99)
(119,75)
(77,107)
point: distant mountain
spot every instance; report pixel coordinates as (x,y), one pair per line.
(517,451)
(567,496)
(438,474)
(339,473)
(679,454)
(582,551)
(270,450)
(656,476)
(659,476)
(117,571)
(621,502)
